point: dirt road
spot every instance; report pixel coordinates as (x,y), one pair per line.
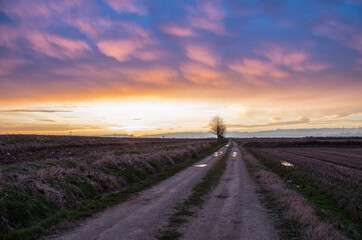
(233,211)
(140,217)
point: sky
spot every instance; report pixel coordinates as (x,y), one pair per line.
(152,67)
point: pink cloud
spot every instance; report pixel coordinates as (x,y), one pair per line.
(10,64)
(136,44)
(317,67)
(88,27)
(258,68)
(296,60)
(281,56)
(347,35)
(8,38)
(208,16)
(132,6)
(65,4)
(201,54)
(176,30)
(200,74)
(200,22)
(26,9)
(149,55)
(119,49)
(56,46)
(212,10)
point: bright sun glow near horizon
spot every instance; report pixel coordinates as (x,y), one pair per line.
(151,67)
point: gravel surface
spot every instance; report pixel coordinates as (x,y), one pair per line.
(233,210)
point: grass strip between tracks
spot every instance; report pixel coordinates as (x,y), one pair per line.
(199,191)
(100,204)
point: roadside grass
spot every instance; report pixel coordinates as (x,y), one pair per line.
(287,229)
(38,226)
(196,199)
(326,210)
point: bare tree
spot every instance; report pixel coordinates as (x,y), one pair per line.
(218,127)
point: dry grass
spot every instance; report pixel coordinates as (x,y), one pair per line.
(33,190)
(296,208)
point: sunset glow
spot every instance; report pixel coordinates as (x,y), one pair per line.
(154,67)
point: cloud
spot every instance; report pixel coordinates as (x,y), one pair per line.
(56,127)
(9,64)
(56,46)
(134,42)
(200,74)
(119,49)
(258,68)
(155,75)
(201,54)
(348,35)
(276,119)
(295,60)
(301,120)
(208,15)
(131,6)
(33,111)
(176,30)
(45,120)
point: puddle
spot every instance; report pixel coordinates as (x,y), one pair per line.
(200,165)
(287,164)
(235,154)
(217,153)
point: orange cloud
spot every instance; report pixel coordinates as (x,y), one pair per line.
(31,111)
(202,75)
(155,75)
(258,68)
(44,127)
(301,120)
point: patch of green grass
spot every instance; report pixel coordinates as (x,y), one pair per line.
(13,169)
(40,227)
(36,166)
(198,192)
(18,206)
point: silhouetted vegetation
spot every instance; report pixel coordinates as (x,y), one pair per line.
(218,127)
